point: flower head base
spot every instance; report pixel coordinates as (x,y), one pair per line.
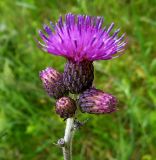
(65,107)
(81,38)
(95,101)
(52,82)
(78,76)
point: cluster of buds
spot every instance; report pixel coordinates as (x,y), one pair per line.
(81,40)
(90,100)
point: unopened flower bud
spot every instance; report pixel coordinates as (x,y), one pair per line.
(95,101)
(53,82)
(78,76)
(61,142)
(65,107)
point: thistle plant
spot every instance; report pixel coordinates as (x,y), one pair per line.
(81,39)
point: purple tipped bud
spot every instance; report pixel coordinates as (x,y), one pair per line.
(95,101)
(65,107)
(78,76)
(52,82)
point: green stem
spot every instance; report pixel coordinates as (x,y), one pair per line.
(67,149)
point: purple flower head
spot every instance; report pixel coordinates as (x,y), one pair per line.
(53,82)
(65,107)
(95,101)
(81,38)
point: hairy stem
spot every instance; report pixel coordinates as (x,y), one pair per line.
(67,149)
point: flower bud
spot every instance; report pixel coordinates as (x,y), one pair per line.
(53,83)
(95,101)
(65,107)
(78,76)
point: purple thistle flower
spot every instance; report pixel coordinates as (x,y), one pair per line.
(81,38)
(53,82)
(95,101)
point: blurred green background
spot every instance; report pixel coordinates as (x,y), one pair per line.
(28,123)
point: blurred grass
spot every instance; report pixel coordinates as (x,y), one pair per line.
(28,124)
